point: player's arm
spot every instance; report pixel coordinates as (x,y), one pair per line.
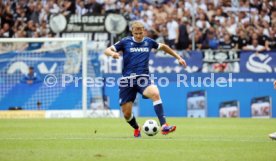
(110,51)
(170,51)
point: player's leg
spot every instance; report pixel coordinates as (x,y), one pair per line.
(128,115)
(152,92)
(130,118)
(127,96)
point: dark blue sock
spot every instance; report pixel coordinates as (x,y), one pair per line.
(132,122)
(158,107)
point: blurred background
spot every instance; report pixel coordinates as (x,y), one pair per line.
(229,39)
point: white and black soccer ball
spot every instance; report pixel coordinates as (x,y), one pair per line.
(150,127)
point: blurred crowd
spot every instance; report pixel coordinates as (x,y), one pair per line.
(218,24)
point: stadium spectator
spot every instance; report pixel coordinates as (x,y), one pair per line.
(183,37)
(38,105)
(198,39)
(210,11)
(169,8)
(94,7)
(231,25)
(33,12)
(30,28)
(6,31)
(2,9)
(180,10)
(80,8)
(242,39)
(211,41)
(31,77)
(69,7)
(110,6)
(147,10)
(136,6)
(227,44)
(160,16)
(220,15)
(262,39)
(173,31)
(146,22)
(202,23)
(7,16)
(254,46)
(160,33)
(272,38)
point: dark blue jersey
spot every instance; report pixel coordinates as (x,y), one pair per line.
(135,55)
(31,77)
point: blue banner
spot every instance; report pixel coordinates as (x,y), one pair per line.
(252,62)
(168,64)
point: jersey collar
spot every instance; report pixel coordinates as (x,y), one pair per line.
(136,41)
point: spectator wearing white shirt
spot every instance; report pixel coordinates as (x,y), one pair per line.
(147,10)
(110,6)
(81,10)
(202,5)
(231,26)
(6,31)
(255,46)
(220,15)
(146,22)
(173,31)
(202,23)
(211,10)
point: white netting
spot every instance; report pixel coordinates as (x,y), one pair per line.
(54,58)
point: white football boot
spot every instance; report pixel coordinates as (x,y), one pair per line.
(272,136)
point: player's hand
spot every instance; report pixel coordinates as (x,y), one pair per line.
(116,56)
(182,62)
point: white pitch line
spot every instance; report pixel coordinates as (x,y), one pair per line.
(146,138)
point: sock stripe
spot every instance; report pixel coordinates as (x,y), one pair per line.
(130,117)
(157,102)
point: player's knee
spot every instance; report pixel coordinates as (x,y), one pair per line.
(127,115)
(155,96)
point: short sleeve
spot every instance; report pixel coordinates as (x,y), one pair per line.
(118,46)
(155,45)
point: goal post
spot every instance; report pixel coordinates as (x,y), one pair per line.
(16,53)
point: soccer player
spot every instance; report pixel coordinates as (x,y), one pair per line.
(31,77)
(135,52)
(273,135)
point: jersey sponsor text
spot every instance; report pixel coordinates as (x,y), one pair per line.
(139,49)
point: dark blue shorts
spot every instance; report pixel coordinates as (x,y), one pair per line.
(130,86)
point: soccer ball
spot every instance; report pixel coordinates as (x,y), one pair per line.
(150,127)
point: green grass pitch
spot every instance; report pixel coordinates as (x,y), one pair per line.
(208,139)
